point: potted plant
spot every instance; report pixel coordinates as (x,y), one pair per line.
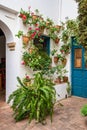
(65,49)
(53,52)
(63,60)
(19,34)
(42,26)
(57,57)
(58,28)
(35,101)
(25,37)
(49,23)
(65,79)
(70,28)
(54,37)
(60,70)
(25,16)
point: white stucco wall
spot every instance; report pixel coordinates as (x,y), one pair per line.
(10,24)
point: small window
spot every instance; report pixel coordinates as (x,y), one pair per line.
(78,58)
(43,43)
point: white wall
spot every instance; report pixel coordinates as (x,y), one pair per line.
(57,10)
(10,24)
(69,9)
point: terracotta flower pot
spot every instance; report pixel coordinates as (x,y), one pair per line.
(34,17)
(58,80)
(58,27)
(65,79)
(64,61)
(25,40)
(56,59)
(57,40)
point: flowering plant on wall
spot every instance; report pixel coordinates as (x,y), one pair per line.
(33,32)
(65,48)
(37,24)
(25,16)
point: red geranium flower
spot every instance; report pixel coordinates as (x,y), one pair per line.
(24,17)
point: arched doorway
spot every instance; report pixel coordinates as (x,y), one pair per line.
(2,65)
(6,37)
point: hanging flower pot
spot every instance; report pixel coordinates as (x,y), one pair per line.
(58,27)
(35,17)
(31,50)
(25,40)
(64,61)
(41,31)
(65,79)
(56,59)
(58,80)
(57,40)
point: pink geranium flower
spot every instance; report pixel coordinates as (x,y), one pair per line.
(29,7)
(23,63)
(37,29)
(27,77)
(32,13)
(30,28)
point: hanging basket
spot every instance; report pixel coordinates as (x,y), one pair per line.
(25,40)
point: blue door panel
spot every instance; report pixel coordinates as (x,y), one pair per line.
(76,92)
(85,93)
(78,75)
(77,83)
(77,72)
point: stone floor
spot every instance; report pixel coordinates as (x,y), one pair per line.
(66,117)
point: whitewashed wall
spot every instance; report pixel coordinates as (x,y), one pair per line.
(11,24)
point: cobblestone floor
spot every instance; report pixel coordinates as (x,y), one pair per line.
(66,117)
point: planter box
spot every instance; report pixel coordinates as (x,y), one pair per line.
(61,92)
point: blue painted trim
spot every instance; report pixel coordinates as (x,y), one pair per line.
(47,40)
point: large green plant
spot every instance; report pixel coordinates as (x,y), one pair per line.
(70,28)
(82,17)
(35,101)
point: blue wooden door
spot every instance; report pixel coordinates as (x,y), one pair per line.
(78,71)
